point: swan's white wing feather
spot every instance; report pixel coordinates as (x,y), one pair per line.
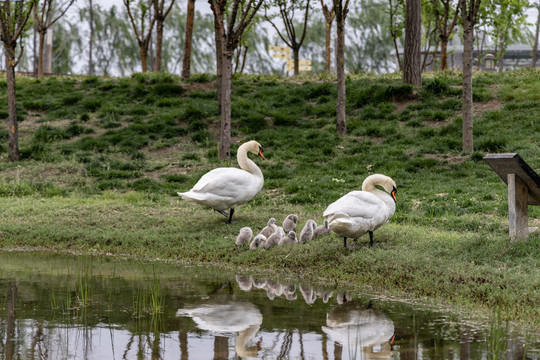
(356,204)
(356,213)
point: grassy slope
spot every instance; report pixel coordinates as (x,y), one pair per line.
(103,159)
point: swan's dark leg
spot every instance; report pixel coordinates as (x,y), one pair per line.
(345,241)
(371,238)
(222,213)
(231,212)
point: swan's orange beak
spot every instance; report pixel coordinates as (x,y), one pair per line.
(260,153)
(394,191)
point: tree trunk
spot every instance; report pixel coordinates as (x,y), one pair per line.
(296,59)
(412,70)
(186,61)
(224,152)
(328,46)
(340,69)
(500,60)
(159,44)
(13,131)
(144,53)
(91,41)
(35,52)
(468,39)
(444,52)
(219,60)
(42,34)
(535,48)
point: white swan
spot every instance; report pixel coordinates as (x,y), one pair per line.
(228,317)
(369,331)
(226,188)
(360,212)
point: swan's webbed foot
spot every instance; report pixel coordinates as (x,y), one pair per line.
(345,242)
(371,238)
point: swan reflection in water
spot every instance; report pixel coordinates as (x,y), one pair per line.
(228,317)
(366,333)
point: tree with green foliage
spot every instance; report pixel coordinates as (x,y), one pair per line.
(160,13)
(506,18)
(469,16)
(287,13)
(142,24)
(329,15)
(14,16)
(535,44)
(186,59)
(341,10)
(412,69)
(396,12)
(446,13)
(231,27)
(369,42)
(46,13)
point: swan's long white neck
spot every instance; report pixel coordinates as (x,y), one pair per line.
(246,163)
(369,185)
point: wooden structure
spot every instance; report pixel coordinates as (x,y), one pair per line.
(523,190)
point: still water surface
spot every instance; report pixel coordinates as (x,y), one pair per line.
(64,307)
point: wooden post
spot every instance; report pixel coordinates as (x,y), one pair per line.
(518,216)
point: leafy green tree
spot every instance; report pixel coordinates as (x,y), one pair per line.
(46,13)
(66,40)
(329,15)
(412,70)
(188,39)
(506,18)
(341,10)
(160,13)
(230,28)
(446,13)
(396,13)
(14,16)
(142,24)
(469,16)
(295,31)
(370,43)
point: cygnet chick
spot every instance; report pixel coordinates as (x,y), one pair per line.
(257,242)
(322,229)
(244,236)
(269,228)
(275,237)
(289,224)
(289,239)
(307,232)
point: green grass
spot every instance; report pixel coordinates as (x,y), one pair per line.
(103,160)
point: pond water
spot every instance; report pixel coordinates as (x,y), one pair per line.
(66,307)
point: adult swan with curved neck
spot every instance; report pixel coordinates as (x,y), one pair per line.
(226,188)
(360,212)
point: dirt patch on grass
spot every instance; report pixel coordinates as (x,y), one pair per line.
(450,159)
(491,105)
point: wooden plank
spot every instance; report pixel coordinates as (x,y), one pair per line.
(518,217)
(300,68)
(300,62)
(281,55)
(512,163)
(279,48)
